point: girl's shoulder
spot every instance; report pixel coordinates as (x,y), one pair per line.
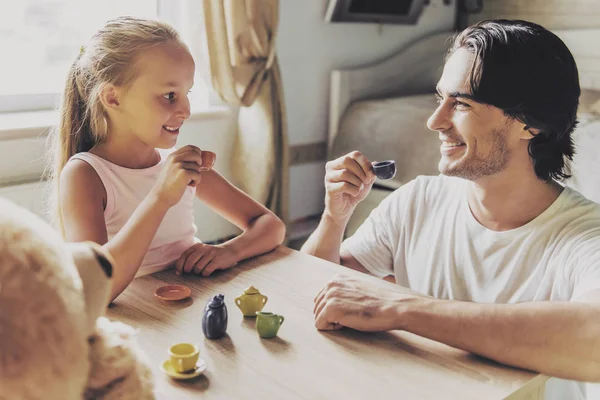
(91,161)
(80,178)
(96,162)
(85,155)
(82,164)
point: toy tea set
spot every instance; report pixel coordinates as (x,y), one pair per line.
(251,304)
(184,360)
(384,169)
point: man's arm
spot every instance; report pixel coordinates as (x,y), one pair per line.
(325,243)
(326,240)
(348,181)
(559,339)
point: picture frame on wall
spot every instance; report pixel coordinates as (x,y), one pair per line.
(375,11)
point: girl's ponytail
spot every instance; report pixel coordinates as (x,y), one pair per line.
(108,59)
(71,135)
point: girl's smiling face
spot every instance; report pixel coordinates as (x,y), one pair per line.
(154,105)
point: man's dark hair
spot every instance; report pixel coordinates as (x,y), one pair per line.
(530,74)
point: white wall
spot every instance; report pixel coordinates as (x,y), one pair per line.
(215,133)
(308,49)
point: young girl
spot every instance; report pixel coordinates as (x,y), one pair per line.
(118,180)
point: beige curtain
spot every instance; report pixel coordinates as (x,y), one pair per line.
(244,70)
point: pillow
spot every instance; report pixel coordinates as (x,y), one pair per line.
(589,102)
(395,129)
(585,167)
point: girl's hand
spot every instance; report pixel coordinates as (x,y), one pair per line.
(205,259)
(182,169)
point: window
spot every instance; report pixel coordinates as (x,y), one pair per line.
(39,40)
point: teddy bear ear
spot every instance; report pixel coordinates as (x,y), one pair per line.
(95,270)
(105,264)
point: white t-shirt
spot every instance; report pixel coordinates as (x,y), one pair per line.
(426,236)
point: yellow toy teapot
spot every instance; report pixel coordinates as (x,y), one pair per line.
(251,301)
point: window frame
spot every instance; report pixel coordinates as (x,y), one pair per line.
(171,11)
(12,103)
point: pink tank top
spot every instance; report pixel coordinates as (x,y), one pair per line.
(125,190)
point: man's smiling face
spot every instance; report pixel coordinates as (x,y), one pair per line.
(477,139)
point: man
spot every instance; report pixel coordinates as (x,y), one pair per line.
(501,259)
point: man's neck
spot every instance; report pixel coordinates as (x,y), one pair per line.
(507,200)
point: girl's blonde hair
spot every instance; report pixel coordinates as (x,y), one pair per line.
(109,58)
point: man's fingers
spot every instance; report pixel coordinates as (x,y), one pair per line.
(356,163)
(366,167)
(344,175)
(331,326)
(319,299)
(349,162)
(318,310)
(324,321)
(318,294)
(342,187)
(321,322)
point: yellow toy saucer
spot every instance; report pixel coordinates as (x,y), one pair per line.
(168,369)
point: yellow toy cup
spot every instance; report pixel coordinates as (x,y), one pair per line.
(184,357)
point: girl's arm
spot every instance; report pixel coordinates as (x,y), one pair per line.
(83,199)
(262,230)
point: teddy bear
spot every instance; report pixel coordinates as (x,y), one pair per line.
(55,342)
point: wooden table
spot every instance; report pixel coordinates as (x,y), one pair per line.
(301,362)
